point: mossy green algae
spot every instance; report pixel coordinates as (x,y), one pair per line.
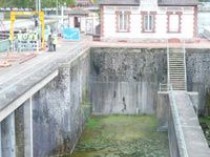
(122,136)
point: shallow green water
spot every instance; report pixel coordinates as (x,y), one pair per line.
(122,136)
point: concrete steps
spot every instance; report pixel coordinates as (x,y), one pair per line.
(177,69)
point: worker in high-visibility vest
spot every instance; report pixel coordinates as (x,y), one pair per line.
(55,41)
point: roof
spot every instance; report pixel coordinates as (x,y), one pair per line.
(78,11)
(160,2)
(178,2)
(83,1)
(118,2)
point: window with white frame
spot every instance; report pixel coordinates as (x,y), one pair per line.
(174,23)
(148,23)
(123,21)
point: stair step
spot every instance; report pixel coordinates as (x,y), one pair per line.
(175,61)
(177,82)
(178,85)
(177,68)
(176,54)
(175,65)
(176,71)
(177,74)
(177,79)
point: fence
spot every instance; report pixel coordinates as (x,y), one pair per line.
(4,45)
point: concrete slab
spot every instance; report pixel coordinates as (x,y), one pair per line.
(18,79)
(194,138)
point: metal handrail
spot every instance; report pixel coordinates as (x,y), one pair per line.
(184,51)
(163,87)
(168,75)
(178,129)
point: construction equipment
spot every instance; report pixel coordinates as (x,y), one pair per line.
(14,14)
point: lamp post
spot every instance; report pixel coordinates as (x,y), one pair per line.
(39,6)
(38,9)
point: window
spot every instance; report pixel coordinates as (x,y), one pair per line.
(148,22)
(123,21)
(174,22)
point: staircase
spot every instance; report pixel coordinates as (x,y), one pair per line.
(177,68)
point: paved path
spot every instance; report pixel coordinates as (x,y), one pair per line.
(18,78)
(199,43)
(195,142)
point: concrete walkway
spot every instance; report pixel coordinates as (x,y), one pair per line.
(199,43)
(19,78)
(195,142)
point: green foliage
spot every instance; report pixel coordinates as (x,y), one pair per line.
(205,124)
(17,3)
(32,3)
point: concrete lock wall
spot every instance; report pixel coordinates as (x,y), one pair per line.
(130,77)
(112,80)
(198,72)
(126,80)
(166,121)
(173,140)
(59,110)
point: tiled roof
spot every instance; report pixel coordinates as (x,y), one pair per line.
(119,2)
(177,2)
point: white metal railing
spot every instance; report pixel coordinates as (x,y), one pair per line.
(163,87)
(178,128)
(168,70)
(185,74)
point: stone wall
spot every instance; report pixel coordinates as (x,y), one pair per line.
(60,109)
(198,74)
(126,80)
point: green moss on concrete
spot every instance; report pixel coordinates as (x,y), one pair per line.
(205,124)
(122,136)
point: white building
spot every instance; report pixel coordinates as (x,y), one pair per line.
(148,19)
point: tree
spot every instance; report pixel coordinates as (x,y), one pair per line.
(69,2)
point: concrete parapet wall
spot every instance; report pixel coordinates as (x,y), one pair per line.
(162,111)
(186,137)
(173,140)
(59,110)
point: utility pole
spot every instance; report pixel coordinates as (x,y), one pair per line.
(38,5)
(38,9)
(57,7)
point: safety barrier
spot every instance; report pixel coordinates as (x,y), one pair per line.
(4,45)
